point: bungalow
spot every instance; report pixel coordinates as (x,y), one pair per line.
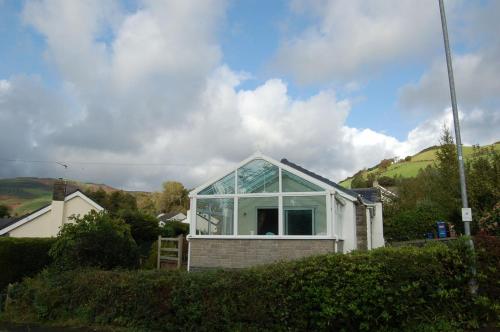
(164,218)
(46,221)
(264,210)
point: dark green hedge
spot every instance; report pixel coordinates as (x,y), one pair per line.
(386,289)
(21,257)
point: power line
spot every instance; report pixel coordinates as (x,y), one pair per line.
(101,163)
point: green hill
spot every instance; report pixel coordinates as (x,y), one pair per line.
(26,194)
(410,168)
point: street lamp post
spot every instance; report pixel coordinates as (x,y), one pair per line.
(466,211)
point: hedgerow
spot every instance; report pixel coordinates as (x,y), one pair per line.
(383,290)
(21,257)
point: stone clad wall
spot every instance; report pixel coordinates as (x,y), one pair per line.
(241,253)
(361,227)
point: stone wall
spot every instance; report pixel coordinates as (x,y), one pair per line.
(241,253)
(361,227)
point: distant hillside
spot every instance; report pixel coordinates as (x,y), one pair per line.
(25,194)
(409,169)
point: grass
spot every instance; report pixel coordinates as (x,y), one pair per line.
(409,169)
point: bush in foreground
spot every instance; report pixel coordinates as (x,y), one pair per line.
(95,240)
(22,257)
(386,289)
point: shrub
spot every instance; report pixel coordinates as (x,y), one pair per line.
(22,257)
(96,240)
(386,181)
(143,228)
(174,228)
(490,222)
(387,289)
(412,223)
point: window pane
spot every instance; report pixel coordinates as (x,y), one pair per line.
(223,186)
(304,215)
(258,216)
(294,183)
(258,176)
(214,216)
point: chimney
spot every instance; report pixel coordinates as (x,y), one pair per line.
(59,192)
(57,213)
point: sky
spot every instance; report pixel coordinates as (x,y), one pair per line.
(135,93)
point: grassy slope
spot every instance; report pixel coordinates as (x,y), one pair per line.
(24,195)
(408,169)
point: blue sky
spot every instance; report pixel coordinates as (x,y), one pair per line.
(334,85)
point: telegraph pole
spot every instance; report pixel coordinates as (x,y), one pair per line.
(466,211)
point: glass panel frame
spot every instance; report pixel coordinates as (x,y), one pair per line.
(214,216)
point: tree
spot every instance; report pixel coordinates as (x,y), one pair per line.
(174,198)
(97,239)
(4,211)
(143,228)
(114,202)
(359,181)
(483,180)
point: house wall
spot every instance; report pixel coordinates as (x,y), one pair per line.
(38,227)
(241,253)
(49,223)
(348,226)
(378,228)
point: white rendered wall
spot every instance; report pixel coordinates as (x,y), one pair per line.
(48,224)
(378,228)
(349,226)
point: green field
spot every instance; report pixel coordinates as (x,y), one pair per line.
(409,169)
(24,195)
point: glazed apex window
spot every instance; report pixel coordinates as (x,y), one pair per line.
(258,176)
(223,186)
(294,183)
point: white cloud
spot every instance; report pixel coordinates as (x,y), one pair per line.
(149,87)
(356,38)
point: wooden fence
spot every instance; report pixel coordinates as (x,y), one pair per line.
(171,251)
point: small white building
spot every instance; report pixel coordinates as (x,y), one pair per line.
(164,218)
(264,210)
(46,221)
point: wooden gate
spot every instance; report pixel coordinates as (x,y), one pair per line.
(170,252)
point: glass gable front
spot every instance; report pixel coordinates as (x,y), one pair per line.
(262,199)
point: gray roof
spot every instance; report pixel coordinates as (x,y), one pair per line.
(369,194)
(324,180)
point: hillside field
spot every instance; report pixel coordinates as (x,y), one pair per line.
(26,194)
(409,169)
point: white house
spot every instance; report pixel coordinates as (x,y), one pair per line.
(264,210)
(46,221)
(164,218)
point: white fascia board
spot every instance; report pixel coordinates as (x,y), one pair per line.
(85,198)
(26,219)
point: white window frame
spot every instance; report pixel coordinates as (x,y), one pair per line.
(327,193)
(313,216)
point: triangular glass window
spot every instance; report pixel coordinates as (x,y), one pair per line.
(258,176)
(294,183)
(221,187)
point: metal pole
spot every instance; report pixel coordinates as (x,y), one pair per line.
(458,139)
(461,169)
